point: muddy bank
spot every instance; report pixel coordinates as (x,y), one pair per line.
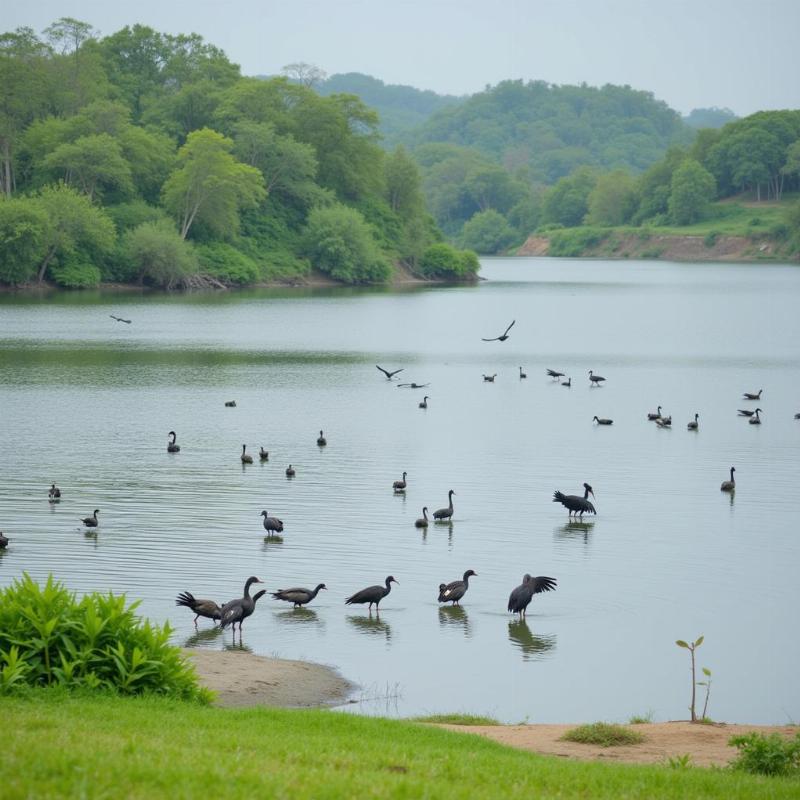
(242,679)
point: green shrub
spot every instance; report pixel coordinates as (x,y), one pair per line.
(604,734)
(22,239)
(226,263)
(572,242)
(130,215)
(487,232)
(710,239)
(49,638)
(446,262)
(158,255)
(74,272)
(767,755)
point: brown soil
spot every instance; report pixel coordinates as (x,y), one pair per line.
(706,744)
(242,679)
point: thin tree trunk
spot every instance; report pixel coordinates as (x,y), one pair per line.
(45,263)
(7,182)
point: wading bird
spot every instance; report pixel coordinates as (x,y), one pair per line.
(694,425)
(567,383)
(321,440)
(3,541)
(756,420)
(424,403)
(201,608)
(453,592)
(728,486)
(554,374)
(602,421)
(171,446)
(271,524)
(91,522)
(389,375)
(744,412)
(422,522)
(290,473)
(520,598)
(574,503)
(246,459)
(753,396)
(595,380)
(522,374)
(240,609)
(263,455)
(653,416)
(54,495)
(445,513)
(503,336)
(372,594)
(298,595)
(664,422)
(400,486)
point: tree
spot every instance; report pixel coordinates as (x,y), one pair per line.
(22,232)
(210,185)
(159,255)
(567,202)
(73,225)
(692,190)
(487,233)
(402,183)
(307,74)
(613,199)
(444,261)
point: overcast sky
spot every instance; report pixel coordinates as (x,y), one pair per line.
(743,54)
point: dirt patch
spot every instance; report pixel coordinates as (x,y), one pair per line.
(707,745)
(242,679)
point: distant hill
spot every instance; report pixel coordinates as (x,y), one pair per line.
(709,117)
(401,108)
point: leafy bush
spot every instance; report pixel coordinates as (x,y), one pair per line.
(226,263)
(487,232)
(604,734)
(444,261)
(767,755)
(22,237)
(339,241)
(74,272)
(48,637)
(130,215)
(572,242)
(710,239)
(159,255)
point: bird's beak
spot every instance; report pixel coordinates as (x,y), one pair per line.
(258,580)
(591,492)
(394,581)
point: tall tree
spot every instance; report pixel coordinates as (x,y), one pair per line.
(693,189)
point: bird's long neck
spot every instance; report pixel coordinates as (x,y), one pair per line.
(450,499)
(248,584)
(244,447)
(316,591)
(425,514)
(731,474)
(466,579)
(388,587)
(173,437)
(585,493)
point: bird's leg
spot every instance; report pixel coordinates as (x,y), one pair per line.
(195,621)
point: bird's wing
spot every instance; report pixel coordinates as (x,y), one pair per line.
(541,583)
(363,595)
(383,371)
(396,371)
(513,321)
(490,340)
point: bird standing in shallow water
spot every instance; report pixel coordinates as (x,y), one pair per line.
(522,374)
(91,522)
(595,380)
(298,595)
(54,495)
(263,455)
(453,592)
(575,504)
(240,609)
(554,374)
(422,522)
(755,420)
(246,459)
(172,447)
(271,524)
(729,486)
(694,424)
(321,440)
(372,594)
(400,486)
(520,598)
(290,473)
(445,513)
(201,608)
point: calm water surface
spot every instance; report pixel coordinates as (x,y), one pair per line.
(87,402)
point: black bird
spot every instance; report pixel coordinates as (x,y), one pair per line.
(595,380)
(453,592)
(729,486)
(272,524)
(490,378)
(389,375)
(413,385)
(171,446)
(653,416)
(522,374)
(201,608)
(520,598)
(298,595)
(246,459)
(503,336)
(664,422)
(575,504)
(422,522)
(119,319)
(753,396)
(797,415)
(567,383)
(743,412)
(694,425)
(602,421)
(321,440)
(263,455)
(555,375)
(91,522)
(54,495)
(3,541)
(445,513)
(372,594)
(400,486)
(290,473)
(240,609)
(756,420)
(230,404)
(424,403)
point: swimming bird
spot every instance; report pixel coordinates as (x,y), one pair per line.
(400,486)
(171,446)
(91,522)
(413,385)
(574,503)
(653,416)
(520,598)
(694,425)
(522,374)
(298,595)
(389,375)
(503,336)
(271,524)
(729,486)
(201,608)
(602,420)
(424,403)
(797,415)
(664,422)
(756,420)
(490,378)
(240,609)
(744,412)
(230,404)
(372,594)
(3,541)
(290,471)
(554,374)
(595,380)
(445,513)
(422,522)
(119,319)
(54,495)
(263,455)
(454,591)
(246,459)
(567,383)
(321,440)
(753,396)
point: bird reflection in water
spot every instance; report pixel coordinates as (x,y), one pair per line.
(576,530)
(271,542)
(237,648)
(203,636)
(372,625)
(533,647)
(299,616)
(92,535)
(455,617)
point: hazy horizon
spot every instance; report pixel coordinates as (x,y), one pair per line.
(721,53)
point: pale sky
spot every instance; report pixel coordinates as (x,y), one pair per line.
(740,54)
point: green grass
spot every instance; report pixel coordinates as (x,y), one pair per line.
(457,719)
(603,733)
(56,745)
(641,719)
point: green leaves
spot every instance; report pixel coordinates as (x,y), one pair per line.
(681,643)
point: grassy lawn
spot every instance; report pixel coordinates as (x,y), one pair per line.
(54,745)
(729,219)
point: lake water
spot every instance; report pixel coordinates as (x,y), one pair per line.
(87,402)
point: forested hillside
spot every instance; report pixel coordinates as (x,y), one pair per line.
(147,157)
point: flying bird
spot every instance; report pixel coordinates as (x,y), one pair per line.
(503,336)
(555,374)
(119,319)
(389,375)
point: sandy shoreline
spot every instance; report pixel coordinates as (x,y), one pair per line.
(242,679)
